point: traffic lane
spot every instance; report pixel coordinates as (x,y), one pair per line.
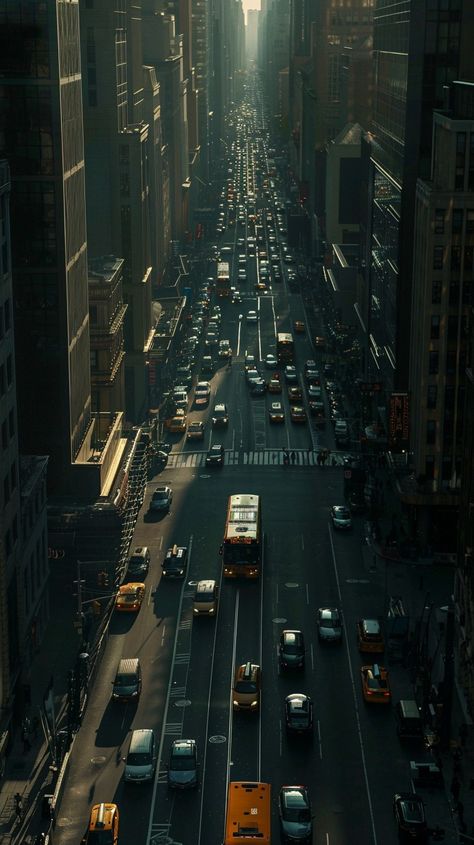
(96,767)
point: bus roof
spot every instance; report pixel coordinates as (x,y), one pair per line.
(248,814)
(284,337)
(242,518)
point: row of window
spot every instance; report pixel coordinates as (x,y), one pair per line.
(454,291)
(457,219)
(5,318)
(440,254)
(452,326)
(448,432)
(450,367)
(449,397)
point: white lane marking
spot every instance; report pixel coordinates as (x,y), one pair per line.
(354,695)
(232,670)
(163,634)
(319,741)
(208,714)
(312,656)
(160,544)
(302,543)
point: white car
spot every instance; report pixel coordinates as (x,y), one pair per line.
(202,393)
(271,361)
(225,349)
(242,276)
(252,317)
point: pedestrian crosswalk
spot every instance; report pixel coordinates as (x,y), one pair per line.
(260,457)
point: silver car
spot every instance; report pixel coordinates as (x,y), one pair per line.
(329,623)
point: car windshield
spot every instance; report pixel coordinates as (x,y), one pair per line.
(327,622)
(296,814)
(140,759)
(246,686)
(241,554)
(182,763)
(299,716)
(205,597)
(125,680)
(100,837)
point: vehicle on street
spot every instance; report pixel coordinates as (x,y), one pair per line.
(258,386)
(129,597)
(299,327)
(242,546)
(180,397)
(202,393)
(248,802)
(329,625)
(298,414)
(296,821)
(369,636)
(375,684)
(315,392)
(195,430)
(320,342)
(140,762)
(409,721)
(138,563)
(271,362)
(246,689)
(298,713)
(250,361)
(205,598)
(291,376)
(309,365)
(236,297)
(295,395)
(410,818)
(220,416)
(207,365)
(274,385)
(252,317)
(276,412)
(291,650)
(183,764)
(175,562)
(285,348)
(177,423)
(341,518)
(215,456)
(225,349)
(161,498)
(103,827)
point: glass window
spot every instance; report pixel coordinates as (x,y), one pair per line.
(433,363)
(430,432)
(434,333)
(439,221)
(455,257)
(429,467)
(458,215)
(451,363)
(436,292)
(432,396)
(438,253)
(470,217)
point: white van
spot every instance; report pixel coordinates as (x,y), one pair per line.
(140,762)
(341,432)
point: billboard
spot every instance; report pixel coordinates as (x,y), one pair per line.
(398,422)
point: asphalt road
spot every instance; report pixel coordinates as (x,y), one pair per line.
(354,763)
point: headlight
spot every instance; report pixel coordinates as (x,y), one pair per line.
(211,610)
(254,704)
(236,703)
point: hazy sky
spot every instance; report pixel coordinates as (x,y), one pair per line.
(250,4)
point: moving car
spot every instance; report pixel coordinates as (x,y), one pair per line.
(140,763)
(246,689)
(375,684)
(250,361)
(296,821)
(207,365)
(409,812)
(291,376)
(195,430)
(202,393)
(274,385)
(175,563)
(138,563)
(315,392)
(299,327)
(205,598)
(271,361)
(291,650)
(180,398)
(320,342)
(329,625)
(341,517)
(369,636)
(258,386)
(225,349)
(183,764)
(161,498)
(220,417)
(130,597)
(178,422)
(215,455)
(298,414)
(276,412)
(299,713)
(103,825)
(252,317)
(295,395)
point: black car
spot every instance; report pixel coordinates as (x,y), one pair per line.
(409,812)
(299,713)
(291,650)
(176,562)
(215,456)
(258,387)
(296,821)
(138,564)
(183,764)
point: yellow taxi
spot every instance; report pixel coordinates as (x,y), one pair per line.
(178,422)
(375,684)
(103,825)
(129,597)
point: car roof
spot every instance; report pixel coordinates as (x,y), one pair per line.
(293,636)
(293,796)
(298,701)
(370,626)
(183,747)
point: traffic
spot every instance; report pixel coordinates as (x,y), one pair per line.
(244,694)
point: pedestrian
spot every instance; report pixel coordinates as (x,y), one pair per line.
(293,457)
(455,788)
(26,741)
